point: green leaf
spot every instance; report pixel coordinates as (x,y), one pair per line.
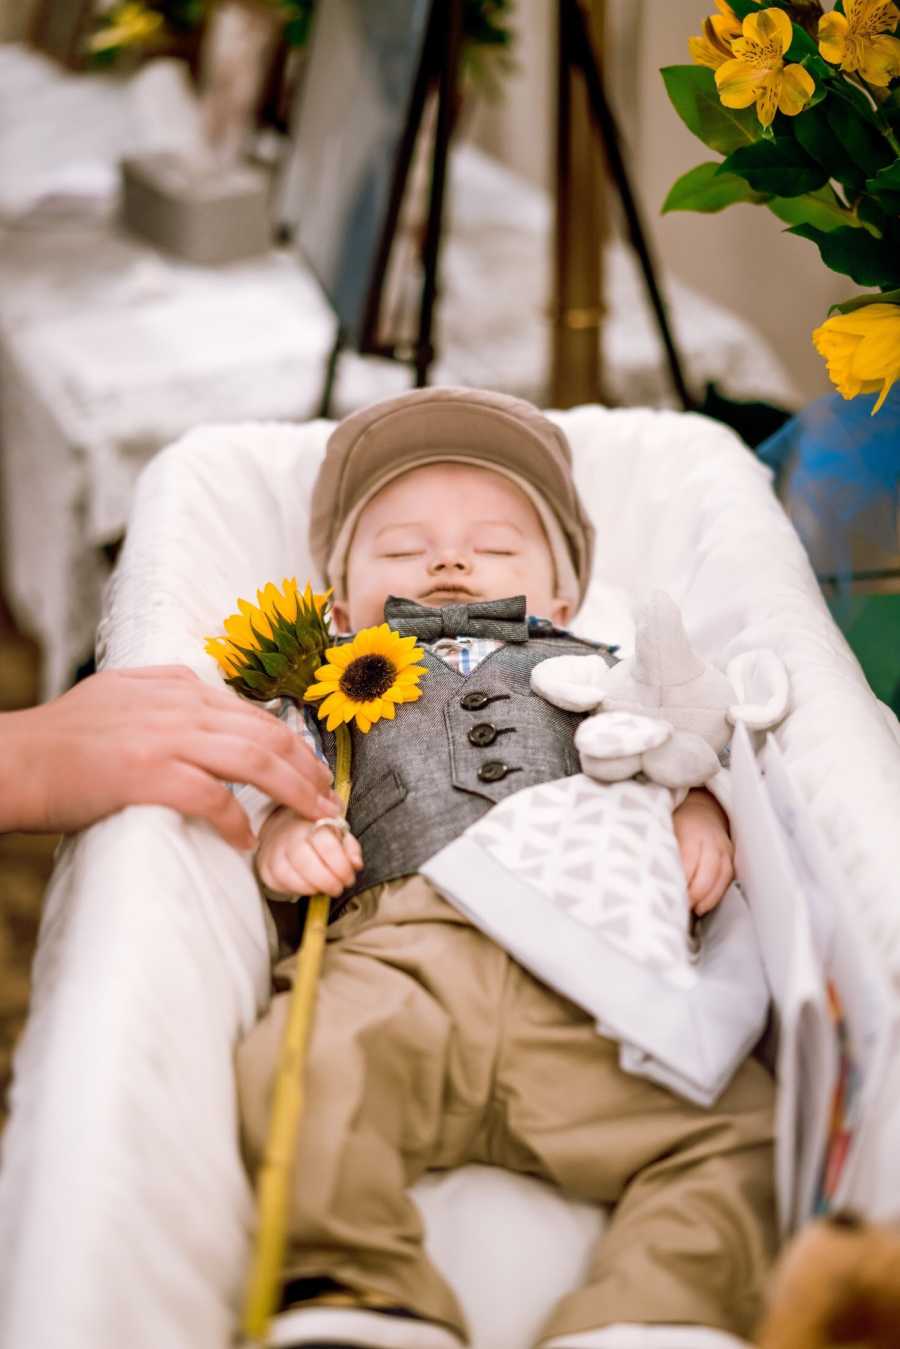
(780,166)
(854,253)
(802,46)
(693,92)
(813,131)
(274,663)
(705,189)
(744,7)
(860,301)
(885,187)
(849,93)
(864,143)
(813,208)
(872,215)
(890,109)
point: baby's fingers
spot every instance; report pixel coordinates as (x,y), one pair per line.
(336,852)
(317,873)
(719,880)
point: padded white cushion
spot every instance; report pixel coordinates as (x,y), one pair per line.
(124,1211)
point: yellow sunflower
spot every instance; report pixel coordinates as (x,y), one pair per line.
(271,649)
(363,680)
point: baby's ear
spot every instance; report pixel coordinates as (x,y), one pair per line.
(340,616)
(561,612)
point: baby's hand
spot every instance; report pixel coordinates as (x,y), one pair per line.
(295,857)
(707,852)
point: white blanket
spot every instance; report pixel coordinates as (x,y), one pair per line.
(124,1210)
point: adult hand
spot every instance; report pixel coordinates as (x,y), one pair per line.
(154,736)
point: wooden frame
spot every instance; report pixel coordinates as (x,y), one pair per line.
(59,28)
(348,240)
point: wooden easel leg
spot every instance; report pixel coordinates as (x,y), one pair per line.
(583,52)
(446,58)
(330,375)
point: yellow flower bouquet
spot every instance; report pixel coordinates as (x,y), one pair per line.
(804,106)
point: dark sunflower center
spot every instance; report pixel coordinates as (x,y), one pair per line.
(367,677)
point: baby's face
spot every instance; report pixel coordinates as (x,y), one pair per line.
(446,534)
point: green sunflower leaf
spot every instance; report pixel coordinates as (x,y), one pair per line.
(705,189)
(693,92)
(274,663)
(780,166)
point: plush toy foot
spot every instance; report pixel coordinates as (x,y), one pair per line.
(647,1337)
(313,1327)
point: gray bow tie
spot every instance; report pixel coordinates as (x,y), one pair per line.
(502,619)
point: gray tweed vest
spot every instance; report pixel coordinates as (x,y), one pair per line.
(419,781)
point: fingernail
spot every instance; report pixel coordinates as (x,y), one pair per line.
(329,806)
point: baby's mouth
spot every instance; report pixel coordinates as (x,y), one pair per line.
(442,594)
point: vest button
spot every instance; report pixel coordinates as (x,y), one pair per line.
(494,770)
(483,734)
(474,701)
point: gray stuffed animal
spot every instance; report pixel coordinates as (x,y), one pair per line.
(664,712)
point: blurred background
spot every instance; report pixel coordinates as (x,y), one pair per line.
(220,212)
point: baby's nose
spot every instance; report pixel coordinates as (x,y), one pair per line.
(449,560)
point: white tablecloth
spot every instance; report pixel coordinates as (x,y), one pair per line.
(109,350)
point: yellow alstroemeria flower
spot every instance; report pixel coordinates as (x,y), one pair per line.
(757,74)
(860,39)
(130,25)
(719,30)
(862,350)
(362,680)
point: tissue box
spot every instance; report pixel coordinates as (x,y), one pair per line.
(203,214)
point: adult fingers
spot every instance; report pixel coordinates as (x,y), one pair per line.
(192,791)
(236,759)
(277,737)
(177,672)
(260,727)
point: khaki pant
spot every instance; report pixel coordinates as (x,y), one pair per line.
(431,1047)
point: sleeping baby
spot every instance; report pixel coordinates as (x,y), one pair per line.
(432,1046)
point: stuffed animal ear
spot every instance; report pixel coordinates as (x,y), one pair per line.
(574,683)
(760,680)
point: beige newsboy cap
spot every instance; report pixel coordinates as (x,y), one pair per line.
(492,430)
